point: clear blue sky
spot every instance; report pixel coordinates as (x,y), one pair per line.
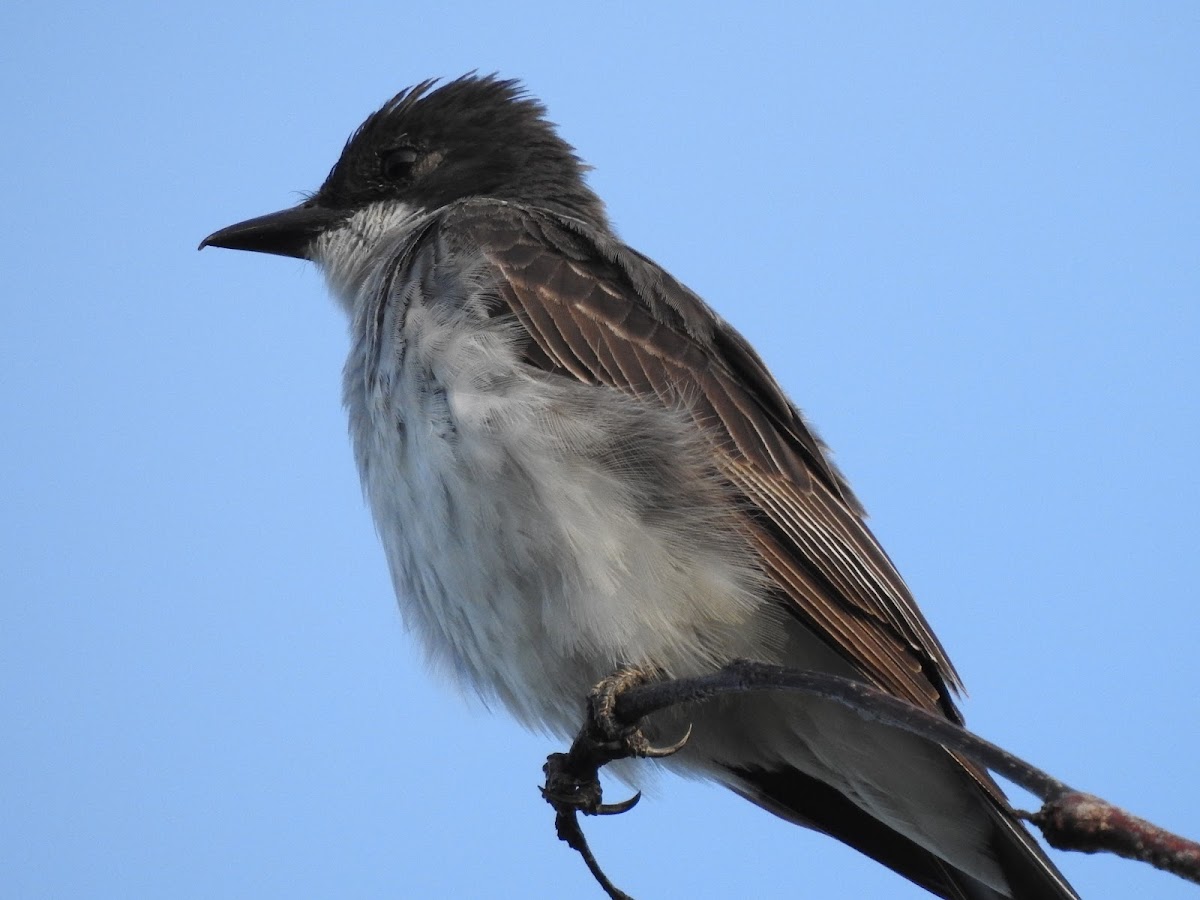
(967,242)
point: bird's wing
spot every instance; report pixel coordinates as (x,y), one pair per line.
(600,313)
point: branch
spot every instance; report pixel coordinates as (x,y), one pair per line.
(1068,819)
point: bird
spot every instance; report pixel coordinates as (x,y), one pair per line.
(575,465)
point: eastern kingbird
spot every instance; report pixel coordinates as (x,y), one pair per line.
(575,465)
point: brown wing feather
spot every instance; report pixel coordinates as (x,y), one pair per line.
(608,316)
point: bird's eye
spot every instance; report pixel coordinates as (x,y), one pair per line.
(398,162)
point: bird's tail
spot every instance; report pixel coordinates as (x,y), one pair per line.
(805,800)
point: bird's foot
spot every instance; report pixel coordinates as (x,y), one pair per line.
(624,740)
(573,778)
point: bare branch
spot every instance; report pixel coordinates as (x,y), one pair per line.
(1069,819)
(1088,824)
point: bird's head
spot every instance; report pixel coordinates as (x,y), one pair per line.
(476,136)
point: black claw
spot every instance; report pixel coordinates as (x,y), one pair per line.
(670,750)
(615,809)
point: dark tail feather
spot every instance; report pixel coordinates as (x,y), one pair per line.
(799,798)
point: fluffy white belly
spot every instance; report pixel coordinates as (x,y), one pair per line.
(540,532)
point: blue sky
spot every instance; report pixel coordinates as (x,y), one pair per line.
(966,241)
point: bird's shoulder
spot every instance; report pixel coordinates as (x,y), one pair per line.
(607,310)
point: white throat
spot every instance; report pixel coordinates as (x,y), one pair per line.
(350,255)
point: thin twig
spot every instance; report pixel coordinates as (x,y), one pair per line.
(745,676)
(1069,819)
(1091,825)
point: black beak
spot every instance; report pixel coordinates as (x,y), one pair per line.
(289,232)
